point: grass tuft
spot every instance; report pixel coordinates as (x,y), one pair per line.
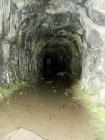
(95,108)
(7,90)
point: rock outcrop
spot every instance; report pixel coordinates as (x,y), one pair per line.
(23,135)
(26,27)
(93,23)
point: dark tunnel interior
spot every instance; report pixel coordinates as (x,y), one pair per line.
(60,60)
(55,62)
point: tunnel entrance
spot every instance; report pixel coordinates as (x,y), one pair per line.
(60,59)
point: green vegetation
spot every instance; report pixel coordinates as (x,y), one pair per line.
(8,90)
(96,110)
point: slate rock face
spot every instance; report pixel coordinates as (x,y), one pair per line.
(17,21)
(93,73)
(22,134)
(27,26)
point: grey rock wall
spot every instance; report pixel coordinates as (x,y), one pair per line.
(93,23)
(27,26)
(24,28)
(18,23)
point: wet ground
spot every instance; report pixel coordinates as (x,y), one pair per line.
(50,110)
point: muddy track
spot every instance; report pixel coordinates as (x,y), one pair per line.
(48,110)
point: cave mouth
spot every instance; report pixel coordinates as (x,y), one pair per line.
(61,61)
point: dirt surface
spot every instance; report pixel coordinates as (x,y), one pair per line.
(49,110)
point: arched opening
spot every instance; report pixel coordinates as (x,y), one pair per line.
(60,59)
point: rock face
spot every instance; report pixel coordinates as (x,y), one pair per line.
(27,27)
(22,134)
(93,23)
